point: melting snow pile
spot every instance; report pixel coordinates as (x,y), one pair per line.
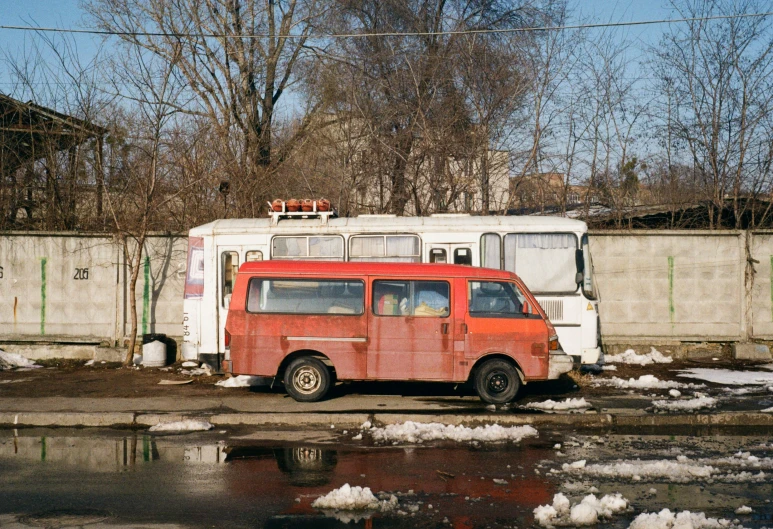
(643,382)
(188,425)
(666,519)
(587,512)
(562,405)
(14,360)
(767,410)
(630,357)
(728,376)
(415,432)
(698,403)
(241,381)
(349,498)
(740,468)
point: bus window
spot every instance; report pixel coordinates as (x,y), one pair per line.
(253,255)
(490,251)
(545,261)
(463,256)
(229,262)
(319,248)
(437,255)
(393,248)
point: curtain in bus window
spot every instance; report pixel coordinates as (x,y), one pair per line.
(289,247)
(490,251)
(403,248)
(330,248)
(367,248)
(545,261)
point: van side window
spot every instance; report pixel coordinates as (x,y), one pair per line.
(494,299)
(411,298)
(305,296)
(229,263)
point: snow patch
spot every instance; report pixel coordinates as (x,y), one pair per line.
(241,381)
(630,357)
(187,425)
(89,363)
(678,471)
(675,393)
(743,509)
(586,512)
(644,382)
(728,376)
(698,403)
(563,405)
(414,432)
(348,498)
(14,360)
(666,519)
(767,410)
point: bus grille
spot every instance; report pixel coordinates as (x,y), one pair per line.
(554,308)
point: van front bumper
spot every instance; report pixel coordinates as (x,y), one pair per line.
(559,363)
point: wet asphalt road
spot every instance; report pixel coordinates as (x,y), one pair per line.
(242,478)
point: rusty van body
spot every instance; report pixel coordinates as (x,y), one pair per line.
(310,323)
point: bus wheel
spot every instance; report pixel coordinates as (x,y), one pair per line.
(497,382)
(307,379)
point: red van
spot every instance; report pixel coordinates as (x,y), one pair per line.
(312,323)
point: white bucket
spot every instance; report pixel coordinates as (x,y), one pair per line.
(154,354)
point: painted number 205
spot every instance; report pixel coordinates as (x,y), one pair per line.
(81,273)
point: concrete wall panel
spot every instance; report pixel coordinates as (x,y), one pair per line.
(57,287)
(674,285)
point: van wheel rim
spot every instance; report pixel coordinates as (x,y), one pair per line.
(307,380)
(498,382)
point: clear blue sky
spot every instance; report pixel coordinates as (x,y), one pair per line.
(67,13)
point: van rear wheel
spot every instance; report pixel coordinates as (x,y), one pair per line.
(497,382)
(307,379)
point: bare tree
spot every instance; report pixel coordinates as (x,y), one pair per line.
(238,80)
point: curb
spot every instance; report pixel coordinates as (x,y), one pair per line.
(352,420)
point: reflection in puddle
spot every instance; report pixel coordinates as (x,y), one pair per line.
(172,479)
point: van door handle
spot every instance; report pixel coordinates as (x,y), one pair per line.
(444,328)
(464,328)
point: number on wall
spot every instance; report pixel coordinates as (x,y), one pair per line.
(81,273)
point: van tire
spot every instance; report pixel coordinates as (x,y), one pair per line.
(307,379)
(497,381)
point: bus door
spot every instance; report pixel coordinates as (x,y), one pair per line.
(452,253)
(228,262)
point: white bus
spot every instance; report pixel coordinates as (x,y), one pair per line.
(550,254)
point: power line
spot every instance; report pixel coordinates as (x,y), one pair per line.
(384,34)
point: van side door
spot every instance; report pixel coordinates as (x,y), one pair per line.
(410,330)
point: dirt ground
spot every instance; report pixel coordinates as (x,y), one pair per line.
(71,378)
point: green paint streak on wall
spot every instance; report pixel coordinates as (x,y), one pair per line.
(771,288)
(671,288)
(43,262)
(146,297)
(145,448)
(42,448)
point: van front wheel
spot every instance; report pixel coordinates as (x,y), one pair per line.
(497,382)
(307,379)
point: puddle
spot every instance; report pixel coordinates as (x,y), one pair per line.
(206,479)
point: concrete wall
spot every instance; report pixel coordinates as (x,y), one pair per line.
(65,288)
(672,285)
(655,287)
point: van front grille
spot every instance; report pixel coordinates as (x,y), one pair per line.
(554,308)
